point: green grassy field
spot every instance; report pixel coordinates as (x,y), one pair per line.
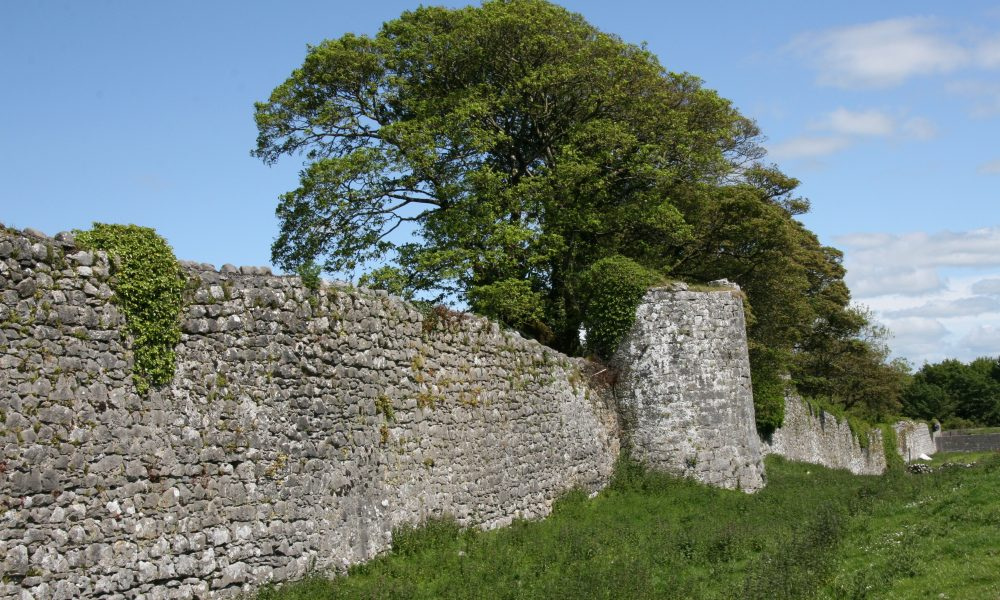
(811,533)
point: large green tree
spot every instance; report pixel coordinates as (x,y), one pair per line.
(955,393)
(515,142)
(507,155)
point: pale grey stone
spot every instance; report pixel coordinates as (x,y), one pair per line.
(824,440)
(271,450)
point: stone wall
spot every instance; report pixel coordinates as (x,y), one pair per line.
(913,438)
(302,427)
(819,438)
(299,430)
(684,387)
(962,441)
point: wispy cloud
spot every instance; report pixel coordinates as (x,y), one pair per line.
(808,147)
(984,96)
(989,168)
(842,128)
(920,250)
(983,340)
(868,280)
(988,53)
(880,54)
(917,337)
(989,287)
(918,128)
(860,123)
(960,307)
(938,292)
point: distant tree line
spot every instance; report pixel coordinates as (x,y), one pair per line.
(955,393)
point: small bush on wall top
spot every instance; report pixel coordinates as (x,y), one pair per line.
(147,286)
(514,303)
(613,288)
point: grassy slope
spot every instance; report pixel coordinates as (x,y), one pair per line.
(811,533)
(935,536)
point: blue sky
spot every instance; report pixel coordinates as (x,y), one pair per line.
(889,114)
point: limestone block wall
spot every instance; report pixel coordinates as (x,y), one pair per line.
(684,387)
(821,439)
(965,441)
(299,430)
(913,438)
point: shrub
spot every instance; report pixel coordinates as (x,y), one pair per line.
(309,274)
(768,389)
(514,303)
(612,289)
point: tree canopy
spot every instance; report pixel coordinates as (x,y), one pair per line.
(955,393)
(502,155)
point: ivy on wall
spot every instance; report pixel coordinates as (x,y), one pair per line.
(147,286)
(613,288)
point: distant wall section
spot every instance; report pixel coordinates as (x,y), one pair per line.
(963,441)
(913,438)
(818,437)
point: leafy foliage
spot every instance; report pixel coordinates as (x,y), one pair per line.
(497,154)
(147,286)
(515,142)
(957,394)
(512,301)
(848,363)
(769,387)
(612,289)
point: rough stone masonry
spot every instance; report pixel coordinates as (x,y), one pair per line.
(301,427)
(299,430)
(684,387)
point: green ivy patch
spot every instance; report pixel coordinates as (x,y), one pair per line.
(613,288)
(147,285)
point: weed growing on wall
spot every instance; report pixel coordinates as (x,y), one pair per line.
(309,273)
(860,428)
(893,461)
(147,285)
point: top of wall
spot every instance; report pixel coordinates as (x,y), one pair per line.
(34,243)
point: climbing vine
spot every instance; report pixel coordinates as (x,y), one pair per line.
(613,288)
(147,286)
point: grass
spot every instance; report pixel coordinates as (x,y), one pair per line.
(976,430)
(812,533)
(936,536)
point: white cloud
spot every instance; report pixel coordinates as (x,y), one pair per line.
(867,281)
(961,307)
(919,250)
(916,337)
(843,127)
(919,327)
(808,147)
(989,168)
(988,53)
(919,128)
(989,287)
(938,292)
(880,54)
(983,340)
(860,123)
(984,96)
